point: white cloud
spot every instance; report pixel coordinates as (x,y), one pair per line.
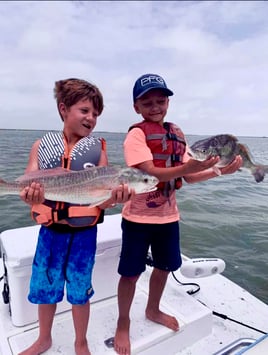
(213,55)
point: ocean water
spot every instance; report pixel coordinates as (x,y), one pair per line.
(225,217)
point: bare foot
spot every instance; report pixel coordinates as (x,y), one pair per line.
(82,348)
(121,339)
(164,319)
(37,348)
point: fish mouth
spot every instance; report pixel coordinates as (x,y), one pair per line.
(198,155)
(149,189)
(152,189)
(191,153)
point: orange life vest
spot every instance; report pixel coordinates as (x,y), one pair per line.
(167,144)
(52,153)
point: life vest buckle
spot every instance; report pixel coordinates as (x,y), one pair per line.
(171,136)
(175,158)
(60,214)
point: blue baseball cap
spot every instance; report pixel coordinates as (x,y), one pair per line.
(148,82)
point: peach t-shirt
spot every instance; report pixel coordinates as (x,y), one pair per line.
(151,207)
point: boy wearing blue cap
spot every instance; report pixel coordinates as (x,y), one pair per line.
(151,220)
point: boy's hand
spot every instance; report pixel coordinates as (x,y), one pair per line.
(33,194)
(122,194)
(233,166)
(194,166)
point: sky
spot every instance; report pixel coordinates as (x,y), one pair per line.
(212,54)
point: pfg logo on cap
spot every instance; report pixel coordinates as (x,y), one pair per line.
(152,79)
(148,82)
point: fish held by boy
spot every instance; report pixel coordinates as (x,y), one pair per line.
(227,147)
(91,186)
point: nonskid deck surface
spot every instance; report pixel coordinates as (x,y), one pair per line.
(245,316)
(146,337)
(201,333)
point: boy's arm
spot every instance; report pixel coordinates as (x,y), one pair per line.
(138,154)
(121,194)
(33,158)
(210,173)
(166,174)
(33,194)
(192,171)
(103,158)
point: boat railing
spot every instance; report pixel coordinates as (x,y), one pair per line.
(235,346)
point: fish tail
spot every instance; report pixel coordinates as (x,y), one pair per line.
(259,172)
(7,188)
(2,187)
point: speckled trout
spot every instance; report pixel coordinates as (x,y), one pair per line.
(227,147)
(91,186)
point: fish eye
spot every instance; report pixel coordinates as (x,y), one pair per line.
(145,180)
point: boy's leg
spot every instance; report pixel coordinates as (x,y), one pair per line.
(166,257)
(126,291)
(132,262)
(80,319)
(46,314)
(79,269)
(157,284)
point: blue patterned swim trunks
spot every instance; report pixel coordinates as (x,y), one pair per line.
(64,256)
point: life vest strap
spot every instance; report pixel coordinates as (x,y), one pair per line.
(43,214)
(82,211)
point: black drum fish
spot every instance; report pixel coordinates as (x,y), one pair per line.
(227,147)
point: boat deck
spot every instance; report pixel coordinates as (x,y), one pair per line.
(201,331)
(147,337)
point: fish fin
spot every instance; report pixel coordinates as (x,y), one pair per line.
(3,184)
(117,166)
(245,153)
(99,202)
(41,173)
(99,196)
(216,170)
(258,172)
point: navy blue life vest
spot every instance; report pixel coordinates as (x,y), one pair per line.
(53,153)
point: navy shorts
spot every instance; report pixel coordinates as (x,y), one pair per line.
(138,238)
(63,258)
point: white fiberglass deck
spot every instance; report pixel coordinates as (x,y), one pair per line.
(147,337)
(201,332)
